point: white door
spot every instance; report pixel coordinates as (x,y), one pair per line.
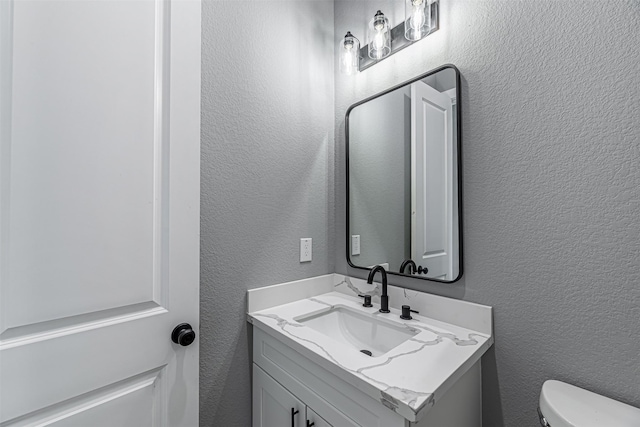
(273,405)
(432,176)
(99,222)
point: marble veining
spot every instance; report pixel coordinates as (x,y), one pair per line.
(389,359)
(404,378)
(376,291)
(282,323)
(452,337)
(321,302)
(411,395)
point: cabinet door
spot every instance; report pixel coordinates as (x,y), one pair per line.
(314,420)
(273,405)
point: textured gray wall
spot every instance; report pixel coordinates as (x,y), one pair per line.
(380,154)
(551,185)
(267,174)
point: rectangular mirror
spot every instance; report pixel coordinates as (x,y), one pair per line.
(404,177)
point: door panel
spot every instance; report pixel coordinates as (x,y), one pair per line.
(85,155)
(127,403)
(432,181)
(81,201)
(99,222)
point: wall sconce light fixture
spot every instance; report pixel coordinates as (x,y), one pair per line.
(349,54)
(379,37)
(421,19)
(417,19)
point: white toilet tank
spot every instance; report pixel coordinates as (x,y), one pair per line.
(564,405)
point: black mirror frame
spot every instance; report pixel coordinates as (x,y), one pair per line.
(459,164)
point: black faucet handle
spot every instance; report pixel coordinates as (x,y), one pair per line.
(406,312)
(422,270)
(367,300)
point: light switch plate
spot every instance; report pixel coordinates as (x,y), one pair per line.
(305,249)
(355,244)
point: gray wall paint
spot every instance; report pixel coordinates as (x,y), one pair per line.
(267,174)
(380,155)
(551,185)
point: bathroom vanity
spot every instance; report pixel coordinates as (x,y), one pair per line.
(320,358)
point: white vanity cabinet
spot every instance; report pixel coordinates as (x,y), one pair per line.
(274,406)
(315,420)
(308,341)
(283,380)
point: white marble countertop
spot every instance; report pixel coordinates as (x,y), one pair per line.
(409,379)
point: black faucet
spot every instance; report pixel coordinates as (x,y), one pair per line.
(413,269)
(384,298)
(408,263)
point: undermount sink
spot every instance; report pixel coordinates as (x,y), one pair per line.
(363,332)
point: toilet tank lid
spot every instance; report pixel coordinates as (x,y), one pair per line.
(564,405)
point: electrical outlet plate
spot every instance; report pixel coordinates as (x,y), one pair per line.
(355,244)
(305,249)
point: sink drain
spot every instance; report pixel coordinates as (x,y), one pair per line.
(367,352)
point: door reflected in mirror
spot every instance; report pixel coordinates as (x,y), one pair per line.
(403,178)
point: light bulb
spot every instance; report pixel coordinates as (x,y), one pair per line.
(378,40)
(418,17)
(347,62)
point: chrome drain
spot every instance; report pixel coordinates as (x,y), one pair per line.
(367,352)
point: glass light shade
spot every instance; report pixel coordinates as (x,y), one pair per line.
(379,37)
(417,22)
(349,51)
